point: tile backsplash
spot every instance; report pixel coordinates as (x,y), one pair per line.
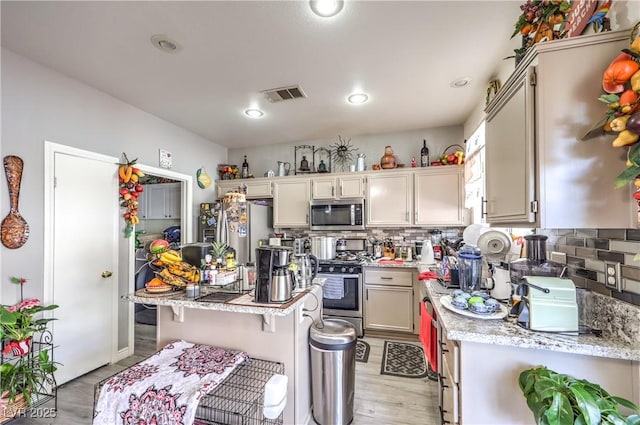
(587,250)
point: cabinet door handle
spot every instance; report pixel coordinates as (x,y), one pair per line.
(442,412)
(483,207)
(341,191)
(332,191)
(386,278)
(307,219)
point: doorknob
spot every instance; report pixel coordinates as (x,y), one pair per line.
(106,274)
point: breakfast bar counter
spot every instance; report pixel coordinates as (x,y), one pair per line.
(276,332)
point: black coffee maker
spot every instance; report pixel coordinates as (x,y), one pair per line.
(275,282)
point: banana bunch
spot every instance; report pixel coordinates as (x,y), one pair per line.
(171,279)
(185,270)
(130,189)
(171,257)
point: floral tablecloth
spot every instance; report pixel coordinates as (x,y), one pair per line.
(166,387)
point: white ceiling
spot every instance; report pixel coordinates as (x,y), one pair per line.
(403,54)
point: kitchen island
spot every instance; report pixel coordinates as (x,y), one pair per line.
(266,331)
(480,360)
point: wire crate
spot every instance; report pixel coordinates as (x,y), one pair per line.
(238,400)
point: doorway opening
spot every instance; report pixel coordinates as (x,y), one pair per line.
(165,212)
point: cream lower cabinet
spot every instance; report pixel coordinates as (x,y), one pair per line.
(337,187)
(260,188)
(389,200)
(448,379)
(438,194)
(291,202)
(388,303)
(478,381)
(539,172)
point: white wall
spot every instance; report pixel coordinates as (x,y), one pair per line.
(405,145)
(39,104)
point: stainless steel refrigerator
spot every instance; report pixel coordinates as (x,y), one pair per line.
(241,225)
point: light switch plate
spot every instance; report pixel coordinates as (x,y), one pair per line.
(612,277)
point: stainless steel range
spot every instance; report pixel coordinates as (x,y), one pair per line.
(342,291)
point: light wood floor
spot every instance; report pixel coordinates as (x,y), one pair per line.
(380,399)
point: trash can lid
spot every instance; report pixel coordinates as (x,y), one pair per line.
(333,332)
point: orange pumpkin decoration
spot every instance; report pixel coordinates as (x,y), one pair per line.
(618,73)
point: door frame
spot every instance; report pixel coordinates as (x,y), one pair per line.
(186,236)
(50,150)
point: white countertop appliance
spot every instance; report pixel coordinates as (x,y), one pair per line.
(547,304)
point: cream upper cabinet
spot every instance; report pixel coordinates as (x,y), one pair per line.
(389,198)
(291,202)
(509,155)
(160,201)
(538,170)
(337,187)
(259,188)
(438,194)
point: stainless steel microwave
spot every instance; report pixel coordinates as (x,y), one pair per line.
(341,214)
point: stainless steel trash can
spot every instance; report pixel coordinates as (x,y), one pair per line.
(333,371)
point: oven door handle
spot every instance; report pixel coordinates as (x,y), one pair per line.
(348,276)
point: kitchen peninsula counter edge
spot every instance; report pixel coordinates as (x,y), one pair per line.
(506,332)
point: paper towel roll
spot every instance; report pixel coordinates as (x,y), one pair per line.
(275,396)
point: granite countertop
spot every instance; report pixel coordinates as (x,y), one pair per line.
(236,305)
(612,344)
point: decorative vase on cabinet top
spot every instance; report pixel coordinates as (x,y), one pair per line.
(388,160)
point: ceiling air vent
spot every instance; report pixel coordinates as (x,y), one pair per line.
(284,93)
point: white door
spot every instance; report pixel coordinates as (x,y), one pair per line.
(84,242)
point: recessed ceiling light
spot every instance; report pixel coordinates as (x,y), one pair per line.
(165,44)
(460,82)
(357,98)
(326,8)
(253,113)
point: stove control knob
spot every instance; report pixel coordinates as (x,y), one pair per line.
(331,269)
(350,269)
(343,270)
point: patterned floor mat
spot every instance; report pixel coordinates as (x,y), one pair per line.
(362,351)
(403,359)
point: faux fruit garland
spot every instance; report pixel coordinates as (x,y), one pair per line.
(130,189)
(621,82)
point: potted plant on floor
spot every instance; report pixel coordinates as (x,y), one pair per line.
(558,399)
(23,371)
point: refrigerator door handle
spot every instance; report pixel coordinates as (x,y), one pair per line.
(222,230)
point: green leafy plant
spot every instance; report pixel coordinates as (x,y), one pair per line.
(558,399)
(18,321)
(27,375)
(23,371)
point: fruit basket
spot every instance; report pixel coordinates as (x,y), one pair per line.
(451,155)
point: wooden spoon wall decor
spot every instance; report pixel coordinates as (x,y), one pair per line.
(14,229)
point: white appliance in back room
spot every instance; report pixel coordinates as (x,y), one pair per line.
(241,225)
